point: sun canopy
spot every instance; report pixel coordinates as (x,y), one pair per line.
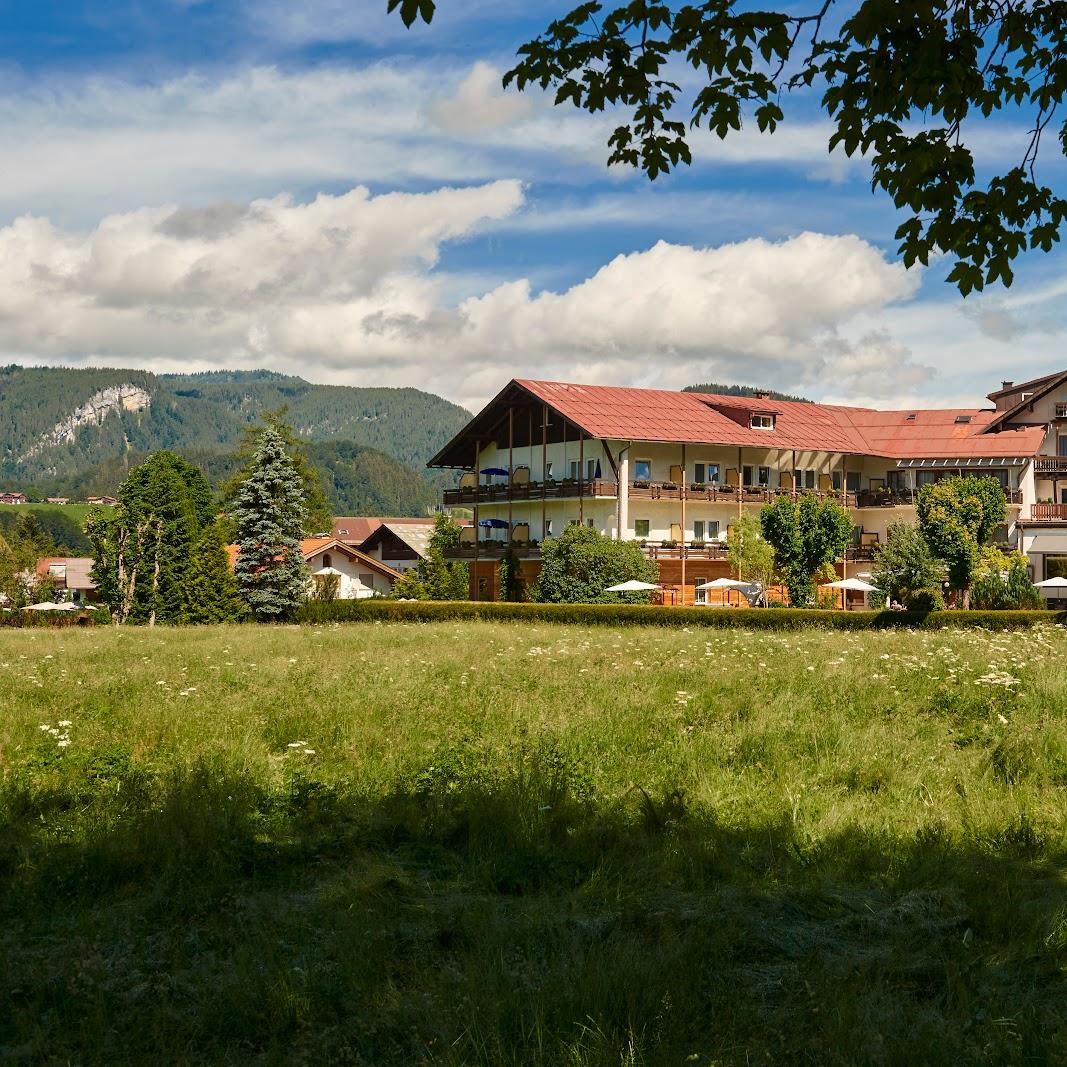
(632,586)
(495,470)
(494,524)
(328,570)
(725,583)
(1052,583)
(855,584)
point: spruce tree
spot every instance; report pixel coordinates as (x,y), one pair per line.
(211,590)
(270,570)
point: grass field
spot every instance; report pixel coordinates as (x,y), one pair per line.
(494,843)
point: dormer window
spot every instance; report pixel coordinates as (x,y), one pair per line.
(1061,411)
(761,421)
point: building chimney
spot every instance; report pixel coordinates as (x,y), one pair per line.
(763,395)
(1006,385)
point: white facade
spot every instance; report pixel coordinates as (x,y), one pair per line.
(356,579)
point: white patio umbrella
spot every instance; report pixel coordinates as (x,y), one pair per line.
(724,583)
(855,584)
(327,570)
(632,586)
(45,605)
(1052,583)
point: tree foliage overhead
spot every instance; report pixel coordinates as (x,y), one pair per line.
(904,83)
(807,534)
(580,564)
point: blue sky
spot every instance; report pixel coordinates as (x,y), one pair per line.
(314,188)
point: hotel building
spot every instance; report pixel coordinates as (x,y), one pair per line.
(673,470)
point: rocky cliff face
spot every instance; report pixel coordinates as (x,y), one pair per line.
(91,413)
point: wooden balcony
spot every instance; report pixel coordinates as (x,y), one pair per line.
(551,490)
(493,550)
(1045,465)
(1048,512)
(699,550)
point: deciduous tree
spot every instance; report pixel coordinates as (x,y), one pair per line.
(437,578)
(580,564)
(806,535)
(905,564)
(957,517)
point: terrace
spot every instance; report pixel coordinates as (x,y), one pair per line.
(490,549)
(1048,513)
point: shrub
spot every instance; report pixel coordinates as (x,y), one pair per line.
(648,615)
(925,600)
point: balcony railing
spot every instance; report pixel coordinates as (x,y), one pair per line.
(1050,465)
(571,488)
(1048,512)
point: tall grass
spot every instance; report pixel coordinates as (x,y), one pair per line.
(497,843)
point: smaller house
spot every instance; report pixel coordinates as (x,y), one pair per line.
(358,575)
(12,498)
(57,500)
(70,573)
(400,545)
(105,501)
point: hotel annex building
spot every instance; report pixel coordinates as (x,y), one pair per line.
(673,470)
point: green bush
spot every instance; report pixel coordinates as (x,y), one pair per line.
(926,600)
(648,615)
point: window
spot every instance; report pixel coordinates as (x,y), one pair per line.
(1061,445)
(925,477)
(896,480)
(809,479)
(963,418)
(761,422)
(590,469)
(698,529)
(574,470)
(589,523)
(699,470)
(548,527)
(1061,411)
(746,475)
(852,481)
(574,522)
(548,471)
(642,470)
(1025,396)
(366,580)
(641,527)
(835,481)
(764,475)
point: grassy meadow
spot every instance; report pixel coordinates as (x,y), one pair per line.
(498,843)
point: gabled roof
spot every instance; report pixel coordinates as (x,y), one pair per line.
(1038,388)
(662,415)
(415,535)
(357,528)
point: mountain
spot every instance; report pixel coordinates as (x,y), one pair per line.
(741,390)
(71,432)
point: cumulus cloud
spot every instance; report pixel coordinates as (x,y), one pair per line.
(479,103)
(347,289)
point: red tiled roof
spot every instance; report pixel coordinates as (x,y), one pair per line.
(312,545)
(664,415)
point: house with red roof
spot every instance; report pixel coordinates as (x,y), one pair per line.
(673,470)
(358,574)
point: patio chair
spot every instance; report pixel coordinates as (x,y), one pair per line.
(826,483)
(469,480)
(785,481)
(677,475)
(732,478)
(520,476)
(468,535)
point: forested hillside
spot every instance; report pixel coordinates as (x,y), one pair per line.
(58,422)
(67,432)
(716,389)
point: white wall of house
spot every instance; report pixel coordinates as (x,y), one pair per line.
(357,579)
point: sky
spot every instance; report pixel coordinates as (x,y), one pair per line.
(312,188)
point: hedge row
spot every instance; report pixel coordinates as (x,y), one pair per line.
(647,615)
(51,620)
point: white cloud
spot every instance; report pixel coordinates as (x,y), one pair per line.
(344,289)
(479,103)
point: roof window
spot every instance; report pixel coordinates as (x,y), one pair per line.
(760,421)
(963,418)
(910,418)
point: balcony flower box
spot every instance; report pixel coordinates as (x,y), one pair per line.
(642,484)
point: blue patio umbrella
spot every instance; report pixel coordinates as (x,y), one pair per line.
(494,524)
(495,470)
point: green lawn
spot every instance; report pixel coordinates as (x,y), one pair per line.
(512,844)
